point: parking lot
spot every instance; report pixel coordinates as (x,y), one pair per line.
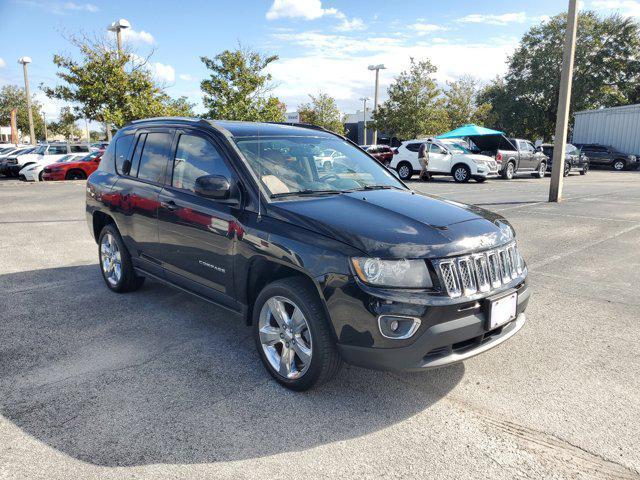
(158,384)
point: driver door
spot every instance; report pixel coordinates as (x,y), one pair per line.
(198,234)
(439,159)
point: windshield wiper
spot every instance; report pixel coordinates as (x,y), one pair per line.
(376,187)
(306,192)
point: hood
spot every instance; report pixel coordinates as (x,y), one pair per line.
(29,157)
(397,224)
(473,156)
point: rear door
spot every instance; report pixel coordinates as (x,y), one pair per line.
(198,234)
(598,155)
(527,155)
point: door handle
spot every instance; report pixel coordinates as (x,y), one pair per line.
(170,205)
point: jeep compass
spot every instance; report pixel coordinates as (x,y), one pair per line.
(325,266)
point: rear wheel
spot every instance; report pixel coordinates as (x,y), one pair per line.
(619,165)
(542,170)
(41,175)
(115,262)
(292,335)
(585,169)
(75,175)
(567,169)
(509,171)
(405,170)
(461,173)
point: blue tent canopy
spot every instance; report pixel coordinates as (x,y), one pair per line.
(469,130)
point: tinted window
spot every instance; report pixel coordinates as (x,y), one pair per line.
(79,148)
(155,155)
(123,145)
(595,149)
(57,149)
(433,148)
(195,158)
(413,147)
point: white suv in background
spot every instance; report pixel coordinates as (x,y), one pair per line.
(446,157)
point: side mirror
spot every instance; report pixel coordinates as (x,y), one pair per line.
(215,187)
(126,167)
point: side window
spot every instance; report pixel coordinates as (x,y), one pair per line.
(530,147)
(79,148)
(433,148)
(196,157)
(413,147)
(154,158)
(123,145)
(57,149)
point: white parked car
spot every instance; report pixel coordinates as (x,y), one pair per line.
(34,171)
(45,153)
(324,161)
(446,157)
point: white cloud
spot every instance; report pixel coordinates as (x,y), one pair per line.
(59,8)
(2,63)
(186,77)
(504,19)
(629,8)
(50,106)
(164,73)
(422,29)
(350,25)
(87,7)
(135,36)
(312,10)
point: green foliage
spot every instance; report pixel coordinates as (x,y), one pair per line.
(238,87)
(66,125)
(323,112)
(415,107)
(606,73)
(12,96)
(461,103)
(111,88)
(96,136)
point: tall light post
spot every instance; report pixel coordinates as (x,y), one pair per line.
(46,133)
(377,68)
(25,61)
(117,27)
(564,102)
(364,116)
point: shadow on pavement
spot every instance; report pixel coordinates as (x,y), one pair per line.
(160,377)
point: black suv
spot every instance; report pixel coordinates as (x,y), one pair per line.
(347,265)
(601,155)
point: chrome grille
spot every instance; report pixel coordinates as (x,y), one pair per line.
(482,272)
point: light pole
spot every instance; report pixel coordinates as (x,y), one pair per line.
(46,133)
(117,27)
(377,68)
(364,117)
(25,61)
(564,102)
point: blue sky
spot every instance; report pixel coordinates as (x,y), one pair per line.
(323,45)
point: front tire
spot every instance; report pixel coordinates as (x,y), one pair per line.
(405,171)
(292,336)
(115,262)
(619,165)
(75,175)
(584,170)
(461,174)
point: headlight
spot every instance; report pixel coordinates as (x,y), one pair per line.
(392,273)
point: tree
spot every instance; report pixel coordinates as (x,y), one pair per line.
(111,88)
(12,96)
(415,107)
(606,73)
(66,125)
(461,103)
(323,112)
(238,87)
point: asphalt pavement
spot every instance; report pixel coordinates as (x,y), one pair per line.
(158,384)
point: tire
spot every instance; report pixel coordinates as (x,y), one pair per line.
(75,175)
(405,171)
(314,337)
(509,171)
(114,255)
(567,170)
(619,165)
(41,176)
(461,173)
(585,169)
(542,170)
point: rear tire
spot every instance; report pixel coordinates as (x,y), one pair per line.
(584,170)
(41,176)
(291,332)
(405,171)
(541,171)
(115,262)
(509,171)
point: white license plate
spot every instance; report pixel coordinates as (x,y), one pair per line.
(503,310)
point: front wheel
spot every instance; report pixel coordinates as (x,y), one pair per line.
(115,262)
(585,169)
(619,165)
(461,173)
(292,335)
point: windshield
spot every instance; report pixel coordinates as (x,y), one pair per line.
(90,157)
(456,147)
(41,150)
(293,164)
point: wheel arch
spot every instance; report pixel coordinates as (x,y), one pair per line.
(75,170)
(99,221)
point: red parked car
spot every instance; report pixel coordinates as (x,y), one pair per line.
(382,153)
(78,170)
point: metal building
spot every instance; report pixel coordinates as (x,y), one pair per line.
(618,127)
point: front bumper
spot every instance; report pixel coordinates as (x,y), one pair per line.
(452,334)
(50,176)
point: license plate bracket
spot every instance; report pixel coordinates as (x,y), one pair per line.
(501,309)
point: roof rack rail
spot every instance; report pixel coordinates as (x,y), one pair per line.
(303,125)
(154,119)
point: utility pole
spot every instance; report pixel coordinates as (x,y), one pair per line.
(377,68)
(117,27)
(46,133)
(364,117)
(564,102)
(25,61)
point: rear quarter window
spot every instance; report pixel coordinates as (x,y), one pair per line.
(413,147)
(122,148)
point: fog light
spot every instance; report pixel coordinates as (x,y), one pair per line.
(398,327)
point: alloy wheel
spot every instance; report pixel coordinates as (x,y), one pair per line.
(618,165)
(460,174)
(403,171)
(285,337)
(110,259)
(510,171)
